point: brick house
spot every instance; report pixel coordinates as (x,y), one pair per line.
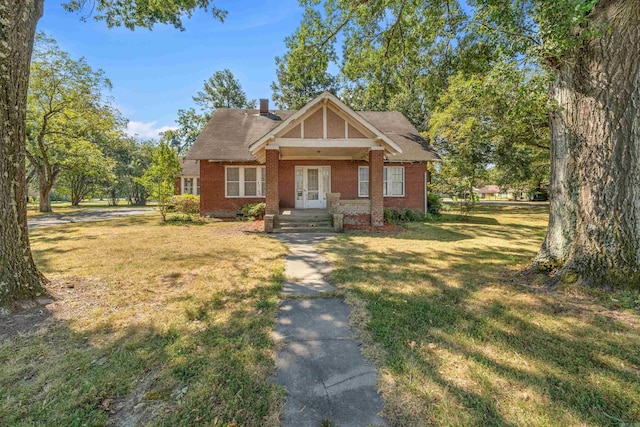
(324,156)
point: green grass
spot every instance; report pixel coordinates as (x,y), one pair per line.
(152,324)
(492,345)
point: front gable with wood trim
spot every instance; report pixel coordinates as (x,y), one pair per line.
(325,128)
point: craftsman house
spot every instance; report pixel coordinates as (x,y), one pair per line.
(324,157)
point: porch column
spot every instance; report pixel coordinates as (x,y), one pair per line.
(376,176)
(272,198)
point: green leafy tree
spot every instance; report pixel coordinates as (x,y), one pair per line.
(132,159)
(222,90)
(159,178)
(19,276)
(509,107)
(65,107)
(302,71)
(85,171)
(190,124)
(462,132)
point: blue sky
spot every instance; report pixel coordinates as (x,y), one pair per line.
(154,73)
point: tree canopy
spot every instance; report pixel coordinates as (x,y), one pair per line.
(302,72)
(498,119)
(222,90)
(69,118)
(136,14)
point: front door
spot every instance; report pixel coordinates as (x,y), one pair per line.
(312,185)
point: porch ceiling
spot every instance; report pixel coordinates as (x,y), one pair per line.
(341,153)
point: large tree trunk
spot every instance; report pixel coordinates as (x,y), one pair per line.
(45,194)
(594,224)
(19,277)
(45,199)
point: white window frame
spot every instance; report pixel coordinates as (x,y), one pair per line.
(195,186)
(241,182)
(360,194)
(384,181)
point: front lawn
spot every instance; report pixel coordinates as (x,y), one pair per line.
(464,338)
(152,324)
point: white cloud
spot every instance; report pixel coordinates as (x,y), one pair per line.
(146,130)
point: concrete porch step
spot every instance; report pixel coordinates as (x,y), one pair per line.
(304,218)
(322,223)
(323,229)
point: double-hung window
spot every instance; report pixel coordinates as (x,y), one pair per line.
(393,185)
(393,181)
(245,181)
(188,186)
(191,186)
(363,181)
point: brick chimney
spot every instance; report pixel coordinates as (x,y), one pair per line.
(264,107)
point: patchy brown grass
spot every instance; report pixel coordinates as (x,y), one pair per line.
(492,345)
(152,323)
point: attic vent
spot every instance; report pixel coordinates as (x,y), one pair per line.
(264,107)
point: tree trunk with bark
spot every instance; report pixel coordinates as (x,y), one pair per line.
(19,277)
(44,188)
(594,224)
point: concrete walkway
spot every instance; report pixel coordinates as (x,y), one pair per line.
(87,215)
(319,360)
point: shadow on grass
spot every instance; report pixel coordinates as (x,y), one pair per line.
(578,367)
(217,372)
(180,220)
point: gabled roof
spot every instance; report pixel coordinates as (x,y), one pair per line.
(324,97)
(231,132)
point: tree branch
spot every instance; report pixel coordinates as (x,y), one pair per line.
(393,28)
(512,33)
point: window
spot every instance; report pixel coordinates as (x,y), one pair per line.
(250,182)
(233,182)
(245,181)
(188,186)
(363,181)
(393,181)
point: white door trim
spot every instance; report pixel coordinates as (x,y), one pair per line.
(301,187)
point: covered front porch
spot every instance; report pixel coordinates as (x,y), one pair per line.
(316,155)
(330,186)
